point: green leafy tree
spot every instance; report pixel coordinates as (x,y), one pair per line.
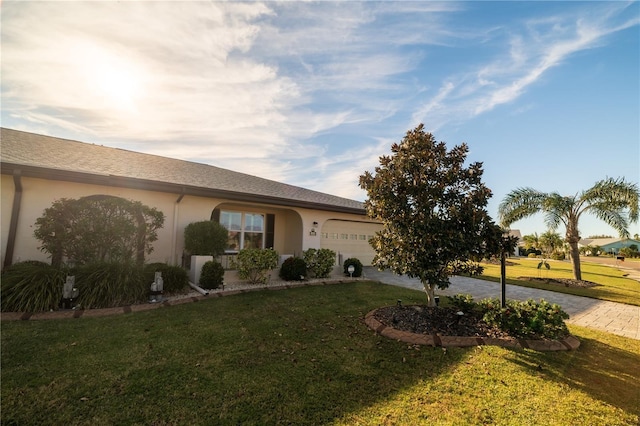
(613,201)
(432,210)
(98,229)
(206,238)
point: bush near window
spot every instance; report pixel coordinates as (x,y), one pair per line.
(293,269)
(212,275)
(254,265)
(319,262)
(31,286)
(175,279)
(357,265)
(206,238)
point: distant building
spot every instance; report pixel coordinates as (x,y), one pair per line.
(608,245)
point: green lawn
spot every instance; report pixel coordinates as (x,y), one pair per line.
(613,285)
(299,356)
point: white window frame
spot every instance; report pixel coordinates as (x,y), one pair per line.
(242,230)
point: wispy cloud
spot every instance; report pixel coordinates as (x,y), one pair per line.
(531,50)
(261,87)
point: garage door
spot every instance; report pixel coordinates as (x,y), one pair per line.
(349,239)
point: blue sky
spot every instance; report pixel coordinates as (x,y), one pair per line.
(546,94)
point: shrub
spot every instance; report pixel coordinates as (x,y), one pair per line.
(212,275)
(31,286)
(356,264)
(98,228)
(319,262)
(175,279)
(462,302)
(254,264)
(529,319)
(293,269)
(558,255)
(532,255)
(111,284)
(206,238)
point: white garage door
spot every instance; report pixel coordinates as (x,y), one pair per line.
(349,239)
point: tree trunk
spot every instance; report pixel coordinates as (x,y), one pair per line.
(575,260)
(430,291)
(573,237)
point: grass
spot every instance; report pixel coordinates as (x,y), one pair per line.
(299,356)
(613,285)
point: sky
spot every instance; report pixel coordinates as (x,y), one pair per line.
(545,94)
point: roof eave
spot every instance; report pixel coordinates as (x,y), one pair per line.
(151,185)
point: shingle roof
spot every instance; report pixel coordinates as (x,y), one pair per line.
(58,158)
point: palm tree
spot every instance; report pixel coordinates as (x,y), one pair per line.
(613,201)
(550,241)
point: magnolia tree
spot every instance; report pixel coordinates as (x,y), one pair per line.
(432,209)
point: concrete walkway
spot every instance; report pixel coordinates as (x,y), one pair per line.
(616,318)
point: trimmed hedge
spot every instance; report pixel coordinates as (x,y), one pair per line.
(212,275)
(356,264)
(293,269)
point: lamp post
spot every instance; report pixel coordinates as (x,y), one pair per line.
(350,269)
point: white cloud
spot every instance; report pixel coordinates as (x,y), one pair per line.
(528,55)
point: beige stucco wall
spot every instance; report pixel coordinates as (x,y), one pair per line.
(292,227)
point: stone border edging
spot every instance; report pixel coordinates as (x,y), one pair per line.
(92,313)
(568,343)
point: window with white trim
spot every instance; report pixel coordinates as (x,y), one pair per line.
(246,230)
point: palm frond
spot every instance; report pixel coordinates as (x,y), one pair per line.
(518,204)
(616,194)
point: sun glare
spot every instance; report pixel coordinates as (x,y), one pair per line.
(113,79)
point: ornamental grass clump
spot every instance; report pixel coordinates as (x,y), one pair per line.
(31,286)
(174,278)
(528,319)
(111,284)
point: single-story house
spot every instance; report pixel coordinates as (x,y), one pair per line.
(38,170)
(608,245)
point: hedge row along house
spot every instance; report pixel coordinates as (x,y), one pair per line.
(38,170)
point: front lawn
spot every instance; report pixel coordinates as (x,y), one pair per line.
(613,286)
(299,356)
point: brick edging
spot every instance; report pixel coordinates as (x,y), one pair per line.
(88,313)
(568,343)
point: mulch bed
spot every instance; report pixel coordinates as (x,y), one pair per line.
(441,321)
(563,282)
